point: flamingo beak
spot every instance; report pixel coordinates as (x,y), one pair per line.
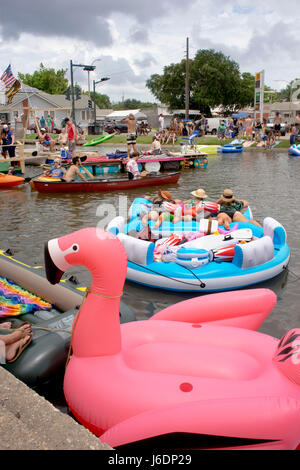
(55,264)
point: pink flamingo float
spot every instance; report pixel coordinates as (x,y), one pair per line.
(195,376)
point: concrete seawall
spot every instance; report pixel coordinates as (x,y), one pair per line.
(29,422)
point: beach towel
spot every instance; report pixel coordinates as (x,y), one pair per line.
(15,301)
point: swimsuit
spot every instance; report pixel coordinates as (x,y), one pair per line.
(131,139)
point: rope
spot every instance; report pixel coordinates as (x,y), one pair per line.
(88,291)
(202,284)
(11,330)
(54,330)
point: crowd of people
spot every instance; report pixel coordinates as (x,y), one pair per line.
(165,207)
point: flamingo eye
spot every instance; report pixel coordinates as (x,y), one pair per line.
(75,247)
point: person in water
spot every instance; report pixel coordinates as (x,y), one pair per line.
(230,210)
(74,171)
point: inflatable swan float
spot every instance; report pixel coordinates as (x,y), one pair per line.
(194,376)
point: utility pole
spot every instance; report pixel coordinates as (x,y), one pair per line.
(104,79)
(72,92)
(187,81)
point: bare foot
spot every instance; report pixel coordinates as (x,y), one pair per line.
(16,335)
(5,325)
(12,349)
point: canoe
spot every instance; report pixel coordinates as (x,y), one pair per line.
(9,181)
(45,358)
(94,185)
(100,140)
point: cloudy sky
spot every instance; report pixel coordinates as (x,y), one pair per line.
(129,40)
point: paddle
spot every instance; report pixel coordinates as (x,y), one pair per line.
(83,159)
(87,171)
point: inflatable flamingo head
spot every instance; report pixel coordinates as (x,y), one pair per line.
(99,251)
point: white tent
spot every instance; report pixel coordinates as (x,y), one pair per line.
(121,114)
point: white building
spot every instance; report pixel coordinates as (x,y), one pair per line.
(42,104)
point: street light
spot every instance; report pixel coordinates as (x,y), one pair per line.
(88,68)
(104,79)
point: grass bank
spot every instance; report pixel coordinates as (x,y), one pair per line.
(147,140)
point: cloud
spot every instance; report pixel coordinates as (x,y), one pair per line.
(139,36)
(135,40)
(76,19)
(145,61)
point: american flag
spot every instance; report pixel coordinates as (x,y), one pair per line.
(8,78)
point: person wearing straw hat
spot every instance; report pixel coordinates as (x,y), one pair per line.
(199,196)
(230,210)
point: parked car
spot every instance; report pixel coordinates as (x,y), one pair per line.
(213,124)
(112,127)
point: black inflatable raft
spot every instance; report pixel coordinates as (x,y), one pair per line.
(45,358)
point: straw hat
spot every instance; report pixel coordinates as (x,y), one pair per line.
(227,196)
(199,194)
(165,194)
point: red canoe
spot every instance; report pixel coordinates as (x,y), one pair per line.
(93,185)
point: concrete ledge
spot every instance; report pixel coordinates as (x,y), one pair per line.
(29,422)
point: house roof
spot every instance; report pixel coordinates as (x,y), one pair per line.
(54,101)
(285,106)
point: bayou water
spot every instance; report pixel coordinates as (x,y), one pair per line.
(268,180)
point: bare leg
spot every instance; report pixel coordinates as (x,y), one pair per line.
(5,325)
(159,221)
(238,217)
(223,218)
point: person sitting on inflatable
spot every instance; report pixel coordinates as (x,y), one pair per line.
(230,210)
(164,209)
(198,204)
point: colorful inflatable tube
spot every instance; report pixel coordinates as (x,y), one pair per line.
(229,148)
(194,376)
(294,151)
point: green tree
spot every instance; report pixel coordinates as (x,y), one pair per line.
(102,101)
(215,80)
(47,80)
(131,104)
(169,88)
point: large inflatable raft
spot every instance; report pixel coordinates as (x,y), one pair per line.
(194,376)
(244,256)
(45,358)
